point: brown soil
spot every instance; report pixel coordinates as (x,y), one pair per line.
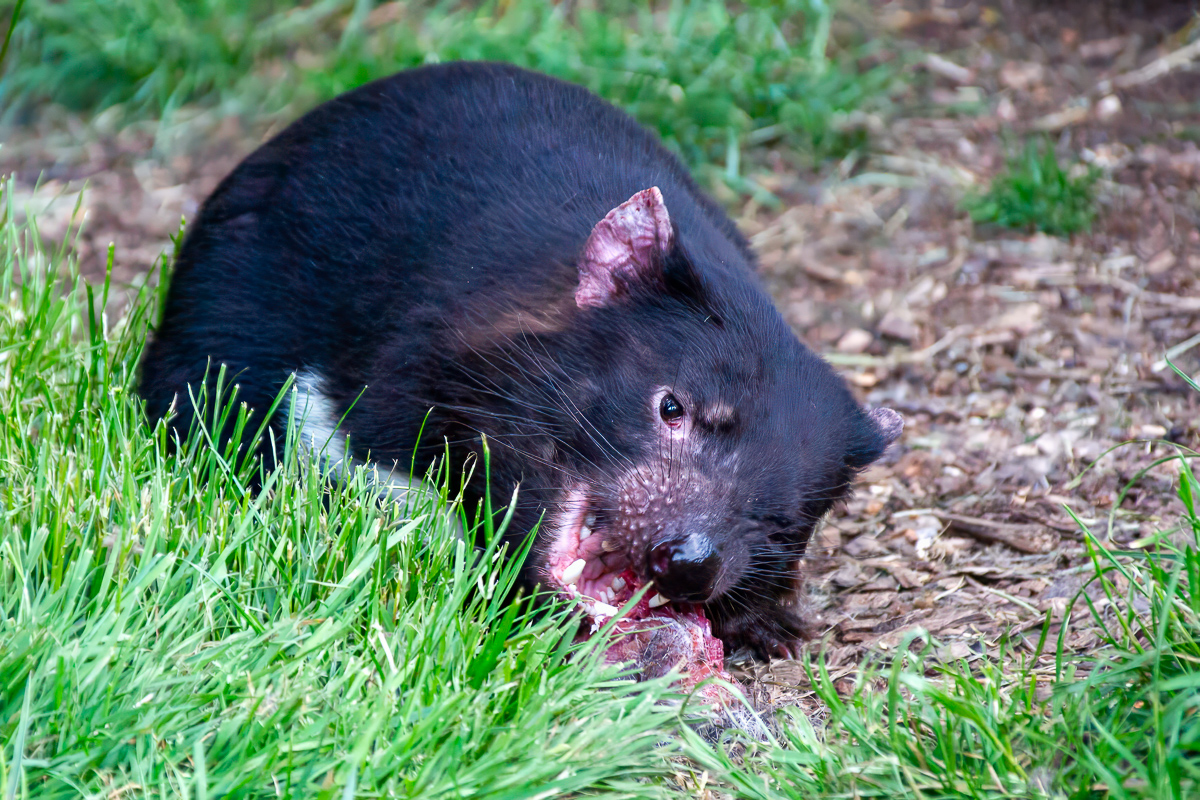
(1017,360)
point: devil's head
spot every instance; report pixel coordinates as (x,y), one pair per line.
(703,441)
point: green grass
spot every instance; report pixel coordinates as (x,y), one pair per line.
(165,632)
(1037,192)
(717,81)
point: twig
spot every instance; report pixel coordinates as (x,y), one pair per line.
(1160,298)
(1154,70)
(1004,595)
(948,69)
(1175,352)
(893,361)
(1078,109)
(985,530)
(941,344)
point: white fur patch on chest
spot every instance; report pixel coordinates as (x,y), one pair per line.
(316,419)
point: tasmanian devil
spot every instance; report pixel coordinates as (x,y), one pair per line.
(472,250)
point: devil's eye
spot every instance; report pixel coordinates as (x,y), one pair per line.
(670,410)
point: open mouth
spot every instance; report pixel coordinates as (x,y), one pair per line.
(592,565)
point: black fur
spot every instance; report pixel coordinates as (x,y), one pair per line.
(420,236)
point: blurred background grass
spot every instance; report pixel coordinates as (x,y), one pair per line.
(715,80)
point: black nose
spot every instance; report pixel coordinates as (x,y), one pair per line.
(685,569)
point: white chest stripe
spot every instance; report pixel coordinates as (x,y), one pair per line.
(315,420)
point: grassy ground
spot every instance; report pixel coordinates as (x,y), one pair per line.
(164,632)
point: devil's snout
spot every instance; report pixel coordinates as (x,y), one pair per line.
(685,568)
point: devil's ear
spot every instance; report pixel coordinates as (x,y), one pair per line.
(628,246)
(879,428)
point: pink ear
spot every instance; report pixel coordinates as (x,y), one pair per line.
(624,246)
(889,424)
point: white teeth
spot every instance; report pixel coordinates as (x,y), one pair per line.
(604,610)
(609,595)
(618,583)
(572,589)
(658,600)
(572,573)
(585,530)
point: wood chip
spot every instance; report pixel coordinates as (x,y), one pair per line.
(948,69)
